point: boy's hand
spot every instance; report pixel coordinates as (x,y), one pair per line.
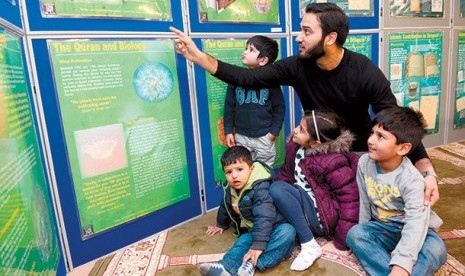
(212,230)
(230,140)
(398,271)
(271,136)
(253,255)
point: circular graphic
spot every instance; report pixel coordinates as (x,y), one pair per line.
(153,82)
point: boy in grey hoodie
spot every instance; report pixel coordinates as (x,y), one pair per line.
(395,233)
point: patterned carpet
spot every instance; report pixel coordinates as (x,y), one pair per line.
(179,250)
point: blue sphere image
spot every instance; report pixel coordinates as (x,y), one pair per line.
(153,82)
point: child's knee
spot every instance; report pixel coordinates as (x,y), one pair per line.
(354,233)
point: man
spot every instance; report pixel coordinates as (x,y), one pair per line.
(324,75)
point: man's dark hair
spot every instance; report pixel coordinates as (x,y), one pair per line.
(332,19)
(406,124)
(266,46)
(235,154)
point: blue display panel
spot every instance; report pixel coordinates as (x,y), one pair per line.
(68,15)
(363,20)
(84,248)
(237,16)
(9,11)
(210,97)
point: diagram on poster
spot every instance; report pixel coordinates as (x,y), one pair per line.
(136,9)
(122,120)
(415,72)
(239,11)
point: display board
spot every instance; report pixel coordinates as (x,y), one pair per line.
(363,14)
(416,13)
(415,69)
(28,237)
(10,13)
(102,15)
(458,14)
(237,16)
(119,139)
(456,126)
(212,98)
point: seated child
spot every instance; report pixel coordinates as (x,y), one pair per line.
(317,191)
(395,235)
(247,201)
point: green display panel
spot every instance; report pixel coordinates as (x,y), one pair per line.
(28,240)
(122,121)
(361,44)
(137,9)
(228,50)
(239,11)
(459,112)
(415,66)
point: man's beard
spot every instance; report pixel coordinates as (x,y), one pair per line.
(316,52)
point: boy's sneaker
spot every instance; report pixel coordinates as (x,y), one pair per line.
(246,269)
(308,254)
(213,269)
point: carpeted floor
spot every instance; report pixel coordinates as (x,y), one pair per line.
(179,250)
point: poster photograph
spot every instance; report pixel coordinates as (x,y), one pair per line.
(417,8)
(28,238)
(239,11)
(353,8)
(136,9)
(228,50)
(122,121)
(415,61)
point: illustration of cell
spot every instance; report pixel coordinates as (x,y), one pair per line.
(153,82)
(100,148)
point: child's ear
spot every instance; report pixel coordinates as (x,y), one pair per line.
(263,61)
(404,148)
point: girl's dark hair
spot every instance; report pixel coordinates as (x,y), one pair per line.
(266,46)
(235,154)
(329,124)
(406,124)
(332,19)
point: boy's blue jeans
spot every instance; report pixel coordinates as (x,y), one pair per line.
(279,247)
(372,243)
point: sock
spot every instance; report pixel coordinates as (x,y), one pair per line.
(213,269)
(310,251)
(246,269)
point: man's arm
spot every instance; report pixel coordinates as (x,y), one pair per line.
(431,181)
(186,47)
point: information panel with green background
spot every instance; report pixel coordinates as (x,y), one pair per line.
(360,43)
(417,8)
(459,112)
(137,9)
(415,61)
(28,239)
(350,7)
(122,120)
(235,11)
(227,50)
